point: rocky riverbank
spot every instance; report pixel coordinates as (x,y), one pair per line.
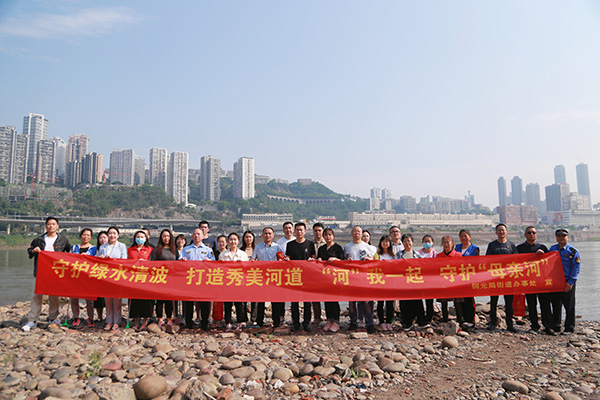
(440,362)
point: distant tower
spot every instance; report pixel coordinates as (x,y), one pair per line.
(243,178)
(532,194)
(560,176)
(13,155)
(36,126)
(158,167)
(583,179)
(516,185)
(210,178)
(501,191)
(178,176)
(122,166)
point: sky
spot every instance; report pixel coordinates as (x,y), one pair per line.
(423,98)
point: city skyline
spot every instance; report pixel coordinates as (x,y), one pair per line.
(424,99)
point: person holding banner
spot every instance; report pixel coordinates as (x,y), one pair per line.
(51,240)
(571,262)
(331,251)
(269,251)
(165,250)
(197,251)
(113,249)
(501,246)
(385,309)
(467,249)
(411,309)
(448,251)
(531,245)
(138,308)
(84,248)
(359,250)
(234,254)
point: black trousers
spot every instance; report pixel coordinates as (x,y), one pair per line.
(566,300)
(411,310)
(332,311)
(258,313)
(508,309)
(277,312)
(307,313)
(385,312)
(168,306)
(241,311)
(188,311)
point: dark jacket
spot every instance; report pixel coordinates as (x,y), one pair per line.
(61,244)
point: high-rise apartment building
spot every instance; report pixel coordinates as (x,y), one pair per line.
(516,186)
(560,175)
(386,194)
(557,197)
(243,178)
(210,178)
(46,163)
(375,193)
(36,127)
(583,180)
(178,176)
(77,147)
(60,157)
(532,194)
(122,166)
(158,167)
(501,191)
(91,168)
(139,170)
(13,155)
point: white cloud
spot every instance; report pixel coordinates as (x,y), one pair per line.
(90,22)
(582,117)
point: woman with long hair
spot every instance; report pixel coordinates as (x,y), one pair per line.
(113,249)
(385,309)
(165,250)
(235,254)
(248,245)
(466,308)
(138,308)
(331,251)
(85,247)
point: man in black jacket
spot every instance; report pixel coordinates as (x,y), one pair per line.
(49,241)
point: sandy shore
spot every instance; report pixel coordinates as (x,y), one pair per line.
(440,362)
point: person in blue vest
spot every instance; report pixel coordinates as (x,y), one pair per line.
(571,262)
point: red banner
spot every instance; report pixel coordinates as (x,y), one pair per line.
(81,276)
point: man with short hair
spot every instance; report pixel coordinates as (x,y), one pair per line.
(208,240)
(301,249)
(359,250)
(531,245)
(396,237)
(571,262)
(288,235)
(268,251)
(501,246)
(51,240)
(197,251)
(318,229)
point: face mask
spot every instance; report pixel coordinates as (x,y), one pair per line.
(427,245)
(140,241)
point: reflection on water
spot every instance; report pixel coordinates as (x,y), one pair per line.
(16,270)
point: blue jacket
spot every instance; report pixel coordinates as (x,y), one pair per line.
(571,261)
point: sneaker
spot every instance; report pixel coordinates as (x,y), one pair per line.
(90,323)
(28,326)
(76,322)
(327,326)
(549,332)
(512,329)
(491,326)
(56,321)
(389,327)
(307,327)
(228,327)
(371,329)
(352,327)
(334,327)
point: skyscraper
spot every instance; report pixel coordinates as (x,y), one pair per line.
(532,194)
(13,155)
(139,170)
(91,168)
(243,178)
(376,193)
(122,166)
(386,194)
(178,176)
(77,148)
(556,197)
(583,179)
(158,167)
(501,191)
(60,156)
(560,176)
(46,163)
(516,185)
(210,178)
(36,126)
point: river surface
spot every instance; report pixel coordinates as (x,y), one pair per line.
(16,283)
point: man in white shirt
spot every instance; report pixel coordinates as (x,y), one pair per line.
(288,235)
(359,250)
(396,237)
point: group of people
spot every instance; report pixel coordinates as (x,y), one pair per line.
(294,245)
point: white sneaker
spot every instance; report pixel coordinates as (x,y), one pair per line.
(28,326)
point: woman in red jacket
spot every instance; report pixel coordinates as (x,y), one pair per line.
(140,309)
